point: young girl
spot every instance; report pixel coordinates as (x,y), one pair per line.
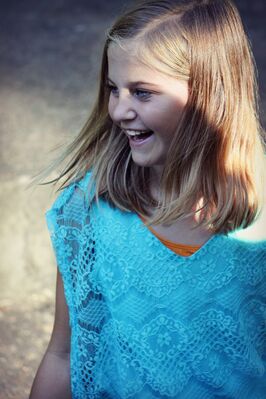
(156,296)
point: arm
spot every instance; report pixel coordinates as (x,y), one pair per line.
(53,376)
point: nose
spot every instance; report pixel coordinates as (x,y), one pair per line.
(121,109)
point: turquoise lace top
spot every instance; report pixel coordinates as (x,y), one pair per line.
(147,323)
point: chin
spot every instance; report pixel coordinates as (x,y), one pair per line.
(144,161)
(141,161)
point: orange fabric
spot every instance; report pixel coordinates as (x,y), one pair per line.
(179,249)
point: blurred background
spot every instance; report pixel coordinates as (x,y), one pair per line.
(49,61)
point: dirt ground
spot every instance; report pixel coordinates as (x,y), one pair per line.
(48,76)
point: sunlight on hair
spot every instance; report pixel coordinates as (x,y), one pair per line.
(255,232)
(217,151)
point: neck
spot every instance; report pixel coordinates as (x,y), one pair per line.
(155,181)
(187,223)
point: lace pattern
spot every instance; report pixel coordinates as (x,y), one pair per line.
(147,323)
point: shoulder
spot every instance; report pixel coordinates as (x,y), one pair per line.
(72,203)
(76,192)
(246,259)
(242,245)
(236,253)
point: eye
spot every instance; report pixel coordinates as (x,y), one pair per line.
(112,89)
(142,94)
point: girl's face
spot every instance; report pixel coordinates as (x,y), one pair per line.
(143,100)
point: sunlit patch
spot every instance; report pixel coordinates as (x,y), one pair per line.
(253,233)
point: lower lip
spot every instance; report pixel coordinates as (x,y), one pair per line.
(139,143)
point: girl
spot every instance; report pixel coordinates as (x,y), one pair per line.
(161,299)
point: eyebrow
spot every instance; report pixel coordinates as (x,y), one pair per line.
(134,84)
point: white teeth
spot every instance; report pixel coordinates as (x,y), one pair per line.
(135,132)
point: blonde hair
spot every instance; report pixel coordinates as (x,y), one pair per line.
(217,155)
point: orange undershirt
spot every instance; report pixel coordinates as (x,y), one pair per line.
(179,249)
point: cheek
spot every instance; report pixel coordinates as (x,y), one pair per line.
(110,107)
(173,116)
(166,115)
(166,122)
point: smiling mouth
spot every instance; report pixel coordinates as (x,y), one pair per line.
(138,135)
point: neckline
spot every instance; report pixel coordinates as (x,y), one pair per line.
(201,248)
(172,243)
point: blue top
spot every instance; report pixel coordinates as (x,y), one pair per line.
(147,323)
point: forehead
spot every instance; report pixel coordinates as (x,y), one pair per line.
(123,61)
(125,66)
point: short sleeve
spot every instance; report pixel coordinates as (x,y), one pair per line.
(65,220)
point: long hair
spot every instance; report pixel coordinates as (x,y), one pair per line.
(216,158)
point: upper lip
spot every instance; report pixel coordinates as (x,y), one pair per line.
(134,130)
